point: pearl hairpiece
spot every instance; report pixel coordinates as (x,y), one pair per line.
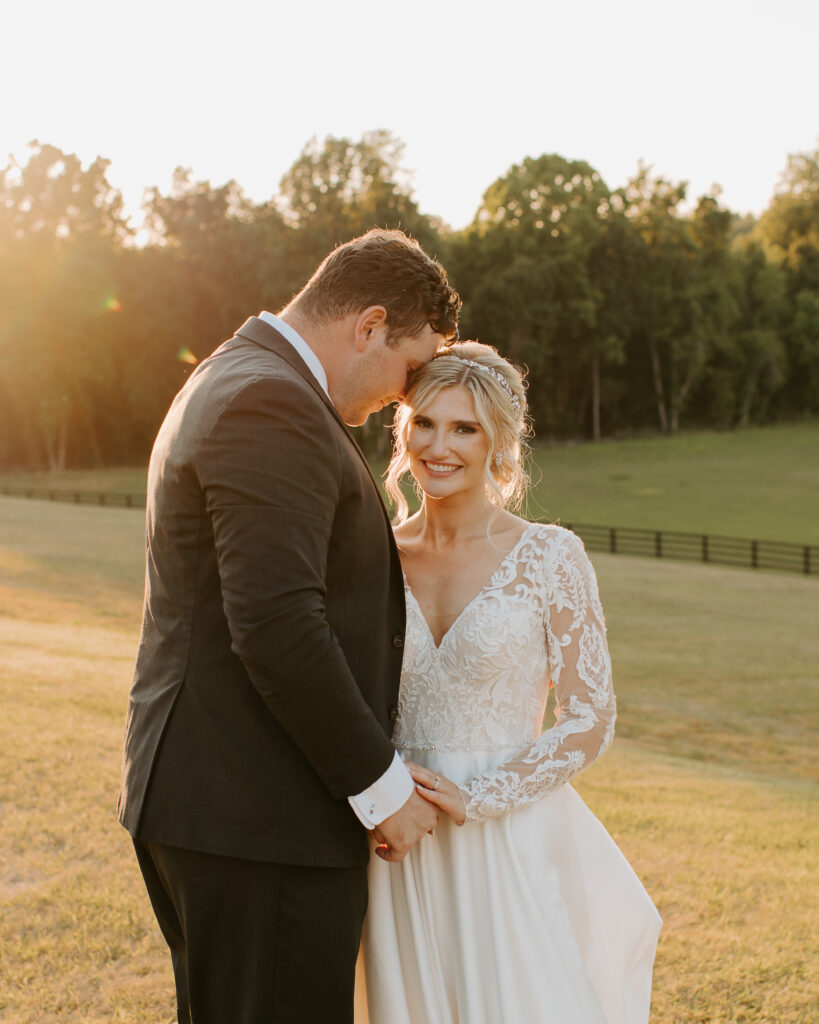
(513,398)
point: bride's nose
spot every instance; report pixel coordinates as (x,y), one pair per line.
(439,444)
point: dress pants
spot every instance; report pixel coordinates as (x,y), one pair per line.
(253,942)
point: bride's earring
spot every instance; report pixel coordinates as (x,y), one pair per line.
(497,458)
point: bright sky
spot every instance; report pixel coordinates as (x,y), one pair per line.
(704,90)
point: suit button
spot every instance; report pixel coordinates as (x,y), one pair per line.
(393,714)
(398,640)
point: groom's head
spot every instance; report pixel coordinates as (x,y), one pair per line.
(375,309)
(382,268)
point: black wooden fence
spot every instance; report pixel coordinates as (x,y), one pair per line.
(700,547)
(623,540)
(76,497)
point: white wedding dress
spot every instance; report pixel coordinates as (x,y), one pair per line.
(528,913)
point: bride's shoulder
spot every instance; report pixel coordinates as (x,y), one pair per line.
(555,542)
(552,532)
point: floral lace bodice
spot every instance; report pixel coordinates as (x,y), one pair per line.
(484,688)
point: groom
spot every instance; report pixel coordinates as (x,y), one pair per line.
(257,749)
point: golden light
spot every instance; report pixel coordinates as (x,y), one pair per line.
(184,355)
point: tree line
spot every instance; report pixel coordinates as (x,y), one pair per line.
(633,308)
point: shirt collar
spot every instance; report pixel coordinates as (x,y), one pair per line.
(300,345)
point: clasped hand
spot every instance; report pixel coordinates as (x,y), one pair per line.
(419,815)
(439,790)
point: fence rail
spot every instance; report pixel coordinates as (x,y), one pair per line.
(76,497)
(778,555)
(700,547)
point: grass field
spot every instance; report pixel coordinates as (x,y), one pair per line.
(706,788)
(760,483)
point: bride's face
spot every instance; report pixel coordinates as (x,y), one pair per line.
(446,445)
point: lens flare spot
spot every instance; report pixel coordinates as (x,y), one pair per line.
(112,304)
(184,355)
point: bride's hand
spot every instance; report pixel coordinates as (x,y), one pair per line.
(439,790)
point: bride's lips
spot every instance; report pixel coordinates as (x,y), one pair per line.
(439,468)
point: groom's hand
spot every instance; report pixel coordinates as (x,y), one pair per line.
(401,830)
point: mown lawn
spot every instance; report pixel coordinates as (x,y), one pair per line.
(759,483)
(706,788)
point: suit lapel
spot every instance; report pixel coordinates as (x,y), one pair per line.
(262,333)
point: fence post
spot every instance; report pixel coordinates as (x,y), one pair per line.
(102,497)
(658,544)
(806,559)
(754,555)
(612,540)
(704,547)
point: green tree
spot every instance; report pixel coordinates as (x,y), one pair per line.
(758,338)
(524,269)
(60,232)
(789,228)
(52,196)
(228,256)
(337,189)
(789,231)
(803,338)
(684,297)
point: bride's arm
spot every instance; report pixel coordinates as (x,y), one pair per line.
(581,672)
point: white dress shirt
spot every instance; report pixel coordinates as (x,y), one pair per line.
(392,790)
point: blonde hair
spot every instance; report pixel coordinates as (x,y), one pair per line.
(499,393)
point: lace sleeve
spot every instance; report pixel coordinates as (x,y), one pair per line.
(581,672)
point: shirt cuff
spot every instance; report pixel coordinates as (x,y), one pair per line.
(385,796)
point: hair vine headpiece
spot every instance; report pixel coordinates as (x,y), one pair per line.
(513,398)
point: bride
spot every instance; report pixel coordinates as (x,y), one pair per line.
(520,908)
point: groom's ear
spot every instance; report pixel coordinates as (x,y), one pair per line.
(369,325)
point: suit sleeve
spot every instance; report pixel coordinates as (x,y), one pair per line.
(270,472)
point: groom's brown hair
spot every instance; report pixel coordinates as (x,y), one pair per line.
(383,268)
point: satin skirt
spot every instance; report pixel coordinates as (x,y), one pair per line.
(533,916)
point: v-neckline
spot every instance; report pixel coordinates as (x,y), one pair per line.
(487,585)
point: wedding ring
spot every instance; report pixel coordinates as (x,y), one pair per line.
(437,782)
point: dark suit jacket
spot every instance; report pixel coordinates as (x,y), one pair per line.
(268,666)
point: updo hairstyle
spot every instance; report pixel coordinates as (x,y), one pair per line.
(500,410)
